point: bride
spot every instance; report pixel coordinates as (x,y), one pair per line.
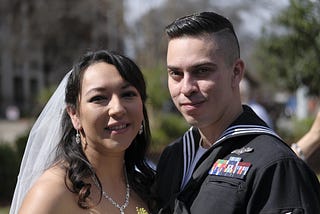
(86,151)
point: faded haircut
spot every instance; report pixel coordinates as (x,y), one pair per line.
(208,24)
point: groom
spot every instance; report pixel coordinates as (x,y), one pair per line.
(229,161)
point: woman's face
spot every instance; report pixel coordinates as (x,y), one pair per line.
(110,110)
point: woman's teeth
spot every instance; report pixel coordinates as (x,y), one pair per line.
(115,128)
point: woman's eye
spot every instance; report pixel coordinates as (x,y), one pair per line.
(130,94)
(97,98)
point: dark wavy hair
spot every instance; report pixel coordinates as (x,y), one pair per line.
(207,23)
(140,174)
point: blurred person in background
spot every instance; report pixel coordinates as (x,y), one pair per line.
(260,110)
(308,147)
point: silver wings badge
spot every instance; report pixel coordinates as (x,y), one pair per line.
(242,150)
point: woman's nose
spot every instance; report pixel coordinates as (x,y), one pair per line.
(116,108)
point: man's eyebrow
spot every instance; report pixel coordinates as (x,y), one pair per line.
(172,67)
(194,66)
(204,64)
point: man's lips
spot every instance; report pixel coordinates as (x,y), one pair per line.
(190,106)
(193,103)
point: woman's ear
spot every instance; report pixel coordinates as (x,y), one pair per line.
(73,114)
(237,73)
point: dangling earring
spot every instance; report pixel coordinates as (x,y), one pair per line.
(78,139)
(141,129)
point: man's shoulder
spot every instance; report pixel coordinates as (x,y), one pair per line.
(268,150)
(268,143)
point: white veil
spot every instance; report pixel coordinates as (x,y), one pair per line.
(40,149)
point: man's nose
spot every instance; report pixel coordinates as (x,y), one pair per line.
(189,85)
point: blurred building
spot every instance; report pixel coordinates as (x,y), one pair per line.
(40,40)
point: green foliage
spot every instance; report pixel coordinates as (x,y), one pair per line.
(292,56)
(9,167)
(169,126)
(42,98)
(10,159)
(173,125)
(20,144)
(156,80)
(300,127)
(4,210)
(45,95)
(297,128)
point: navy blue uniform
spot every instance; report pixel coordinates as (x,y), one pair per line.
(248,170)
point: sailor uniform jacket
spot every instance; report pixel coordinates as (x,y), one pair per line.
(249,169)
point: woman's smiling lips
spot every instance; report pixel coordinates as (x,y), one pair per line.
(117,128)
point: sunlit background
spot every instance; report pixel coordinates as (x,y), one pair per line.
(40,40)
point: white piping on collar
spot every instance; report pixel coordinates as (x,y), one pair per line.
(240,130)
(189,146)
(189,151)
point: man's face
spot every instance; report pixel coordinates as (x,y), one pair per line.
(200,83)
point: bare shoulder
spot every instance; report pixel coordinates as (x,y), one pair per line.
(49,194)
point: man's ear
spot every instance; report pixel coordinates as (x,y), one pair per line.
(73,114)
(237,73)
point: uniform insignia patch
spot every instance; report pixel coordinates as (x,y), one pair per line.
(233,167)
(242,150)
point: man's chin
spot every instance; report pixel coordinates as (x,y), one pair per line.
(191,120)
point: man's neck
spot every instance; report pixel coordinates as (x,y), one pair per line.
(211,134)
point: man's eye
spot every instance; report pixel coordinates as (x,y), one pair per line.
(174,73)
(202,70)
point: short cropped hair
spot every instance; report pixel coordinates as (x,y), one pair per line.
(204,24)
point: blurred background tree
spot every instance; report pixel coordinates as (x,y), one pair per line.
(287,58)
(290,52)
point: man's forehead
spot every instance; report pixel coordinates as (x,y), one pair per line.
(191,49)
